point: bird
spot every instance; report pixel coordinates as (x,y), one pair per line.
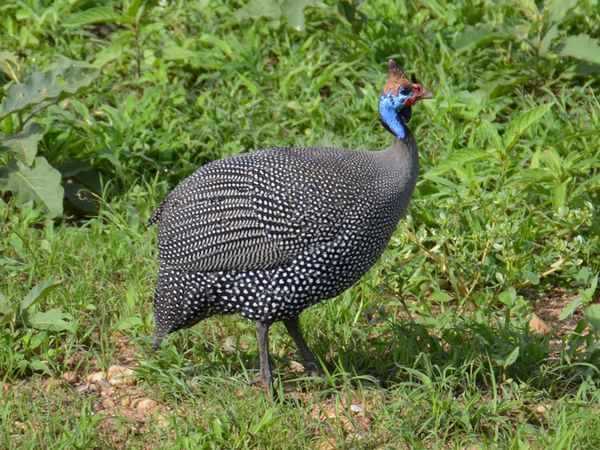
(268,233)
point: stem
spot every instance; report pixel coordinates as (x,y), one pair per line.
(138,50)
(37,111)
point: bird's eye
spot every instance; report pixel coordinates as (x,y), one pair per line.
(405,90)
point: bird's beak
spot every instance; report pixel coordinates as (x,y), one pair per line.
(425,93)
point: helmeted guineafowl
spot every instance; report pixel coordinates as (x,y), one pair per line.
(270,233)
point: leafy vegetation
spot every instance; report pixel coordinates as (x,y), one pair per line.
(105,106)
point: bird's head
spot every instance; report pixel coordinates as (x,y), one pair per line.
(396,99)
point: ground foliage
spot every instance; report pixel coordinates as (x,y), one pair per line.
(479,327)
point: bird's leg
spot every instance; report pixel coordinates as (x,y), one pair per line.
(310,362)
(262,335)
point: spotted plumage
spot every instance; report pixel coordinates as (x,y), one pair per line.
(270,233)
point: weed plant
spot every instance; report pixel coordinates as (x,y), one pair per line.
(107,105)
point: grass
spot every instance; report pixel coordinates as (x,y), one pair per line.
(433,348)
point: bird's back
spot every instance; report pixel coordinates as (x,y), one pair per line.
(261,209)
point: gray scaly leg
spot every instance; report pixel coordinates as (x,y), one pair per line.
(262,335)
(310,362)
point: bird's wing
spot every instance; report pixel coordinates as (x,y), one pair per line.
(254,214)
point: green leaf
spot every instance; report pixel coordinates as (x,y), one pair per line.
(53,320)
(440,297)
(489,131)
(555,10)
(252,87)
(550,35)
(559,195)
(592,315)
(66,77)
(40,366)
(533,176)
(37,293)
(533,278)
(509,359)
(40,184)
(98,14)
(508,297)
(582,47)
(522,123)
(570,308)
(219,43)
(266,419)
(24,144)
(8,310)
(134,8)
(476,35)
(458,160)
(293,10)
(130,322)
(255,9)
(174,52)
(529,9)
(8,64)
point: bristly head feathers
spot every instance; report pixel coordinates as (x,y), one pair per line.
(397,97)
(396,78)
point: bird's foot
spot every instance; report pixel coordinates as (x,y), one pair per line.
(314,370)
(266,384)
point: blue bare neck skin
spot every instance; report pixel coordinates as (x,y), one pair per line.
(389,105)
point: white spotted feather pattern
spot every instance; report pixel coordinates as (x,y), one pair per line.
(269,233)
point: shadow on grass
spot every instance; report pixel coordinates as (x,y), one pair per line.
(485,354)
(392,353)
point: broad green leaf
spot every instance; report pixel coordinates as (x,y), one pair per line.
(98,14)
(459,159)
(256,9)
(476,35)
(570,308)
(532,176)
(54,320)
(40,184)
(592,315)
(35,90)
(293,10)
(522,123)
(509,359)
(40,366)
(440,297)
(533,278)
(66,77)
(582,47)
(555,10)
(24,144)
(38,292)
(552,160)
(528,8)
(508,297)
